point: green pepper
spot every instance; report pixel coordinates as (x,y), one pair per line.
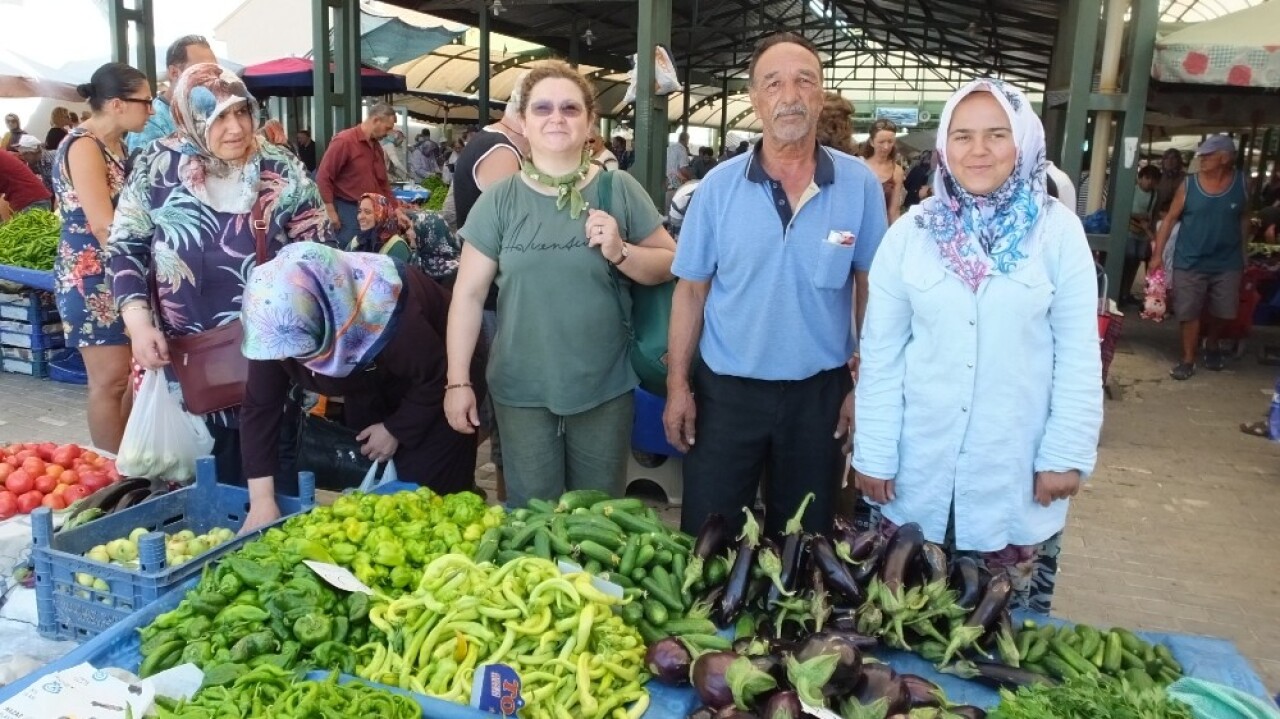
(208,603)
(343,552)
(403,577)
(262,642)
(241,614)
(334,655)
(357,606)
(312,629)
(253,574)
(197,627)
(198,653)
(158,640)
(230,586)
(388,554)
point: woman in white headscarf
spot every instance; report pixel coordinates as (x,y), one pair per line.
(979,400)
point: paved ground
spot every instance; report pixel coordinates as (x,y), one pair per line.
(1174,532)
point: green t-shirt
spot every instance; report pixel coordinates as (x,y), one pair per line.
(561,341)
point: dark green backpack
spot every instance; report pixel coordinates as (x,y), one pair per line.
(649,319)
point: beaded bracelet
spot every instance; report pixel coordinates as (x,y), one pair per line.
(460,385)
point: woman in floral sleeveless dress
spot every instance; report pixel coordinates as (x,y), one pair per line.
(89,173)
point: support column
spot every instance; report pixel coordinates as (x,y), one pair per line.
(1070,82)
(651,111)
(724,113)
(484,63)
(337,92)
(139,17)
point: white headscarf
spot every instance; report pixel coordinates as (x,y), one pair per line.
(981,235)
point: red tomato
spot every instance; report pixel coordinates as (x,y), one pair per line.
(69,476)
(66,455)
(29,501)
(5,469)
(53,470)
(94,480)
(19,482)
(8,504)
(24,455)
(75,492)
(58,489)
(46,484)
(13,461)
(33,446)
(45,450)
(34,466)
(89,455)
(54,502)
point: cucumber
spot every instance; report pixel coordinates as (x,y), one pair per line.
(629,552)
(645,555)
(1129,660)
(609,540)
(639,525)
(1130,641)
(1038,649)
(1114,653)
(639,573)
(655,613)
(507,555)
(650,633)
(717,571)
(592,521)
(1072,657)
(560,543)
(632,613)
(609,506)
(542,543)
(1059,668)
(599,553)
(580,498)
(661,574)
(688,625)
(592,567)
(659,590)
(488,547)
(525,535)
(541,506)
(704,642)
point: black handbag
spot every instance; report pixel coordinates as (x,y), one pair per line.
(330,451)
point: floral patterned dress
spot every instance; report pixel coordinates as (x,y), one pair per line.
(197,257)
(89,316)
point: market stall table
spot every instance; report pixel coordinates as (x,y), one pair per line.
(411,193)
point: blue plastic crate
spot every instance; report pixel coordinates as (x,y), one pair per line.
(68,610)
(68,367)
(30,307)
(32,336)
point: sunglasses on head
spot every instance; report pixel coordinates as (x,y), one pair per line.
(885,125)
(544,108)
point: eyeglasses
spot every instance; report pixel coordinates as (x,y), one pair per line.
(138,100)
(567,109)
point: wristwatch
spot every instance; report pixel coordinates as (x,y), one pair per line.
(626,252)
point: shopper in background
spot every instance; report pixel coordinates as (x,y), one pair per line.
(305,149)
(182,54)
(88,176)
(424,157)
(600,153)
(1141,231)
(703,163)
(353,164)
(625,157)
(379,229)
(1173,175)
(14,133)
(980,394)
(835,124)
(363,327)
(916,184)
(59,124)
(40,160)
(881,153)
(184,232)
(559,375)
(20,188)
(767,259)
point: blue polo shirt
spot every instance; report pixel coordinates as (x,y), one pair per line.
(781,300)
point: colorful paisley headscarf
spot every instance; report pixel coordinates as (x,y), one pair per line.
(331,310)
(203,93)
(385,224)
(979,235)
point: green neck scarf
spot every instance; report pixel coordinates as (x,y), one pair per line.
(566,185)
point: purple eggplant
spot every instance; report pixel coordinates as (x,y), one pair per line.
(898,556)
(840,524)
(783,705)
(770,664)
(879,681)
(712,540)
(848,668)
(668,660)
(870,564)
(966,579)
(835,572)
(769,559)
(998,676)
(739,582)
(935,562)
(921,692)
(968,711)
(792,554)
(993,604)
(726,679)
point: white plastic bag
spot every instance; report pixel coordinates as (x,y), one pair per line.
(371,481)
(161,440)
(665,79)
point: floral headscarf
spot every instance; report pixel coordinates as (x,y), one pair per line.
(981,235)
(200,96)
(331,310)
(385,223)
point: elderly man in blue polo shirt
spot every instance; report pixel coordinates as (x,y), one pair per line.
(768,254)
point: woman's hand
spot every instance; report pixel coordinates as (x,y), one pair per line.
(1052,486)
(150,348)
(262,511)
(379,445)
(602,232)
(879,491)
(461,411)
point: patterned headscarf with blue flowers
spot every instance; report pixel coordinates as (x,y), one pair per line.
(980,235)
(203,93)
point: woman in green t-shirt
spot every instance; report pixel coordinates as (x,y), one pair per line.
(379,228)
(558,370)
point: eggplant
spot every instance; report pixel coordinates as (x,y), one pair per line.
(792,553)
(863,642)
(870,564)
(770,664)
(769,561)
(668,660)
(739,582)
(713,537)
(835,572)
(935,562)
(998,676)
(968,711)
(709,681)
(130,498)
(994,601)
(848,669)
(840,525)
(879,681)
(902,550)
(864,544)
(921,692)
(966,579)
(783,705)
(107,497)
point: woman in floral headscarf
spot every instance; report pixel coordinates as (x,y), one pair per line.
(979,400)
(364,327)
(185,224)
(380,228)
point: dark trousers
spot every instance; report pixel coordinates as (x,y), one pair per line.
(226,452)
(746,427)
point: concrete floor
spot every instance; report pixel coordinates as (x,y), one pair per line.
(1174,532)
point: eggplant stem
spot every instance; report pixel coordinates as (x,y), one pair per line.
(794,525)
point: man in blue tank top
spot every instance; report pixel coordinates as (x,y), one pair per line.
(1209,257)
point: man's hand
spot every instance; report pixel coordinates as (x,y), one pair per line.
(844,425)
(333,216)
(879,491)
(678,419)
(1052,486)
(379,445)
(1156,262)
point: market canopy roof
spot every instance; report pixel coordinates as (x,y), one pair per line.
(389,41)
(1240,50)
(20,78)
(291,76)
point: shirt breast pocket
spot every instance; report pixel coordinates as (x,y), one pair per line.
(833,265)
(1031,290)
